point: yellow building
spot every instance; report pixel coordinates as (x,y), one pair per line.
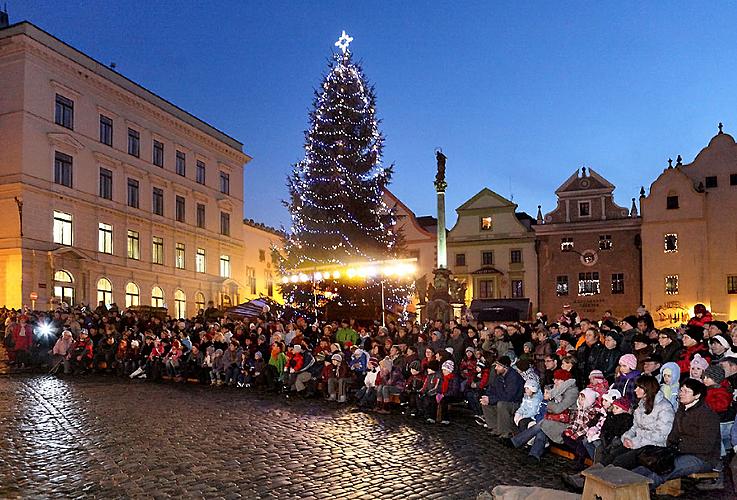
(492,248)
(689,251)
(109,192)
(261,275)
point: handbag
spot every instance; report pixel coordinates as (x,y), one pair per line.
(563,417)
(659,459)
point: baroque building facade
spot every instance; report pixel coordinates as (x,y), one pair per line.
(110,193)
(588,250)
(689,236)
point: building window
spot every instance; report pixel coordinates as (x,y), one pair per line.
(105,238)
(62,228)
(711,181)
(104,291)
(515,256)
(157,205)
(269,285)
(584,209)
(262,255)
(671,202)
(157,253)
(618,283)
(106,184)
(200,215)
(224,183)
(133,199)
(200,172)
(225,223)
(132,295)
(671,243)
(518,290)
(671,284)
(134,143)
(566,244)
(157,297)
(63,169)
(486,224)
(64,115)
(733,179)
(179,258)
(460,259)
(134,245)
(251,274)
(486,289)
(731,284)
(199,262)
(106,130)
(158,154)
(63,288)
(224,266)
(561,285)
(588,284)
(487,258)
(180,208)
(181,164)
(180,304)
(605,242)
(199,301)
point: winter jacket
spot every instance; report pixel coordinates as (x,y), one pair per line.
(563,398)
(232,357)
(589,358)
(614,426)
(432,384)
(625,384)
(394,379)
(509,387)
(688,353)
(530,406)
(696,432)
(22,337)
(700,322)
(542,351)
(63,345)
(671,391)
(671,352)
(608,362)
(359,361)
(344,335)
(719,398)
(652,429)
(583,419)
(449,386)
(414,383)
(468,369)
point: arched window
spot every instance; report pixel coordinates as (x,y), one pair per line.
(226,301)
(63,287)
(157,297)
(199,301)
(104,291)
(132,295)
(180,304)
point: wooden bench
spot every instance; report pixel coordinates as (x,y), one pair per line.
(673,487)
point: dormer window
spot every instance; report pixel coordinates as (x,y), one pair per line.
(584,209)
(566,244)
(486,224)
(711,181)
(671,202)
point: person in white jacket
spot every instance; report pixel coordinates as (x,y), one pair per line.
(653,420)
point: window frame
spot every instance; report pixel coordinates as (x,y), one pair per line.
(561,283)
(63,169)
(157,201)
(106,130)
(672,284)
(200,261)
(672,202)
(180,257)
(134,142)
(133,192)
(711,181)
(567,244)
(225,268)
(587,204)
(517,288)
(157,153)
(225,223)
(64,112)
(460,259)
(515,256)
(200,172)
(605,242)
(59,228)
(106,183)
(133,244)
(589,283)
(180,208)
(487,257)
(201,216)
(617,284)
(180,163)
(674,238)
(105,238)
(224,182)
(731,284)
(157,250)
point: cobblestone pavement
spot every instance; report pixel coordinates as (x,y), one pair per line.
(111,438)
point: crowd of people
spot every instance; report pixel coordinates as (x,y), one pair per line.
(660,402)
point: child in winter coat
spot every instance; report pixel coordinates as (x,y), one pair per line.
(585,417)
(718,393)
(698,366)
(670,386)
(530,410)
(625,382)
(366,395)
(412,387)
(338,379)
(477,387)
(448,392)
(468,368)
(430,390)
(217,371)
(598,383)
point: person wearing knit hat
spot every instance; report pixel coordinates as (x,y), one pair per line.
(699,364)
(530,408)
(504,361)
(611,395)
(448,366)
(720,346)
(713,375)
(692,347)
(502,398)
(623,404)
(561,374)
(598,382)
(629,360)
(716,327)
(628,373)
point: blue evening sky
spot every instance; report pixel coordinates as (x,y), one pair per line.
(518,94)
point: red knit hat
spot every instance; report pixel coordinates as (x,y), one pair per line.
(622,403)
(561,374)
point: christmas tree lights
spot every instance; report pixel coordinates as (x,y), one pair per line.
(336,193)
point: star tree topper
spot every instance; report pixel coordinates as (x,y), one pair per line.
(344,41)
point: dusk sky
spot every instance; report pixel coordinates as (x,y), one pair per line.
(518,96)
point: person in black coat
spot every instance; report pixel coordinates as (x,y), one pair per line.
(588,356)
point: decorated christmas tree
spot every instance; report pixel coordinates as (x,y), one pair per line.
(336,191)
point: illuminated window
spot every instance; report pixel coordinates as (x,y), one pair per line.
(132,295)
(179,256)
(588,284)
(671,243)
(200,260)
(486,289)
(605,242)
(486,224)
(157,250)
(251,275)
(199,301)
(561,285)
(157,297)
(105,238)
(104,291)
(225,266)
(731,284)
(518,289)
(180,304)
(63,288)
(134,245)
(618,283)
(566,244)
(671,284)
(62,228)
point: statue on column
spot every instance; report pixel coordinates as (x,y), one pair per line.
(440,183)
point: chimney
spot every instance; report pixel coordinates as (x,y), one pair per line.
(4,19)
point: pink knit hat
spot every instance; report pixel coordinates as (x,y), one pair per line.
(699,362)
(628,360)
